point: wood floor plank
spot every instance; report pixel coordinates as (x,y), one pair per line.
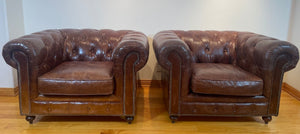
(151,117)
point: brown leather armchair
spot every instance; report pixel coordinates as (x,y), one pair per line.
(212,73)
(71,72)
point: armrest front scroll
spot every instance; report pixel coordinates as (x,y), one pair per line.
(41,49)
(31,55)
(167,42)
(33,48)
(133,42)
(267,58)
(268,52)
(130,55)
(174,55)
(261,53)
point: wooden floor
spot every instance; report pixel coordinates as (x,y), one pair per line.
(151,117)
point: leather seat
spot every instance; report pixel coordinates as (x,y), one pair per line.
(78,78)
(224,79)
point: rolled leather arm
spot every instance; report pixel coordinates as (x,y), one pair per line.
(132,43)
(167,42)
(35,46)
(264,52)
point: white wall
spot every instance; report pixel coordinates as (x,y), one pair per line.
(6,73)
(269,17)
(15,23)
(293,77)
(15,18)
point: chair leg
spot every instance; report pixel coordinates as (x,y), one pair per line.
(267,119)
(30,119)
(129,119)
(173,118)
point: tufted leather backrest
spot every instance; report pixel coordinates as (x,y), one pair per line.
(211,46)
(90,44)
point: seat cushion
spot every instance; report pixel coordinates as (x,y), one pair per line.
(224,79)
(78,78)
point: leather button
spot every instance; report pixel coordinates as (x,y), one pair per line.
(234,109)
(45,66)
(54,57)
(89,109)
(215,109)
(74,51)
(49,109)
(92,51)
(225,51)
(107,107)
(206,49)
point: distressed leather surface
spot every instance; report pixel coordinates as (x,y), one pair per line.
(36,55)
(90,45)
(224,79)
(210,46)
(78,78)
(264,57)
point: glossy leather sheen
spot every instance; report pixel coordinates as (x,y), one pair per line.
(96,71)
(90,45)
(78,78)
(211,46)
(250,67)
(224,79)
